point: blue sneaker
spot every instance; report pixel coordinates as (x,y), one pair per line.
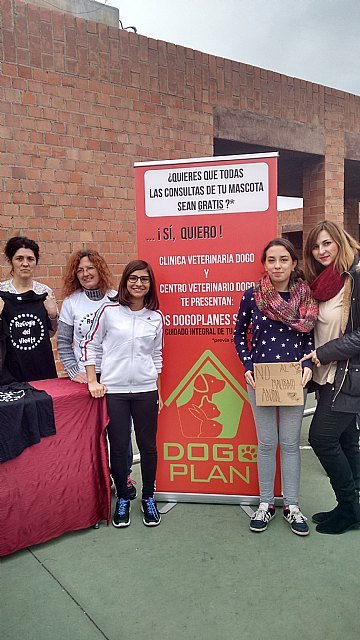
(152,516)
(261,517)
(121,517)
(296,520)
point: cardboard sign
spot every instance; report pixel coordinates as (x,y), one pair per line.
(278,384)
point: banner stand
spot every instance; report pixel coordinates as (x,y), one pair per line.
(210,498)
(202,224)
(169,505)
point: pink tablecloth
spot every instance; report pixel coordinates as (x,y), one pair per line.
(61,484)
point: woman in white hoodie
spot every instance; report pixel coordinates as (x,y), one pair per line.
(129,330)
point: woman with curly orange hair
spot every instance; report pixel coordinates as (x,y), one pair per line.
(87,286)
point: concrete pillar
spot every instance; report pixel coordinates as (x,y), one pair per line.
(323,191)
(323,179)
(314,178)
(351,217)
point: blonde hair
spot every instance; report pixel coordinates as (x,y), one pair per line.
(348,249)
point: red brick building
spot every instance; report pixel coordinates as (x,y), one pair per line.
(81,101)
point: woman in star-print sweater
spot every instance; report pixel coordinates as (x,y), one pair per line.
(281,313)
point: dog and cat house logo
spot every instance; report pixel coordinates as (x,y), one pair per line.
(210,403)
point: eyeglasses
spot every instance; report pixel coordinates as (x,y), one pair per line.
(80,272)
(143,279)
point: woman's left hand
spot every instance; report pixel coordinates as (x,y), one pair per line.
(312,356)
(160,403)
(50,306)
(306,376)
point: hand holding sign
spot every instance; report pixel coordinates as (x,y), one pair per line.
(249,377)
(306,376)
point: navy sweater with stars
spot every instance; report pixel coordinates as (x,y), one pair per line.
(271,340)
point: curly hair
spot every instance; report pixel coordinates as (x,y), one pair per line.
(151,300)
(71,282)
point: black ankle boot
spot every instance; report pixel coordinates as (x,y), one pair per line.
(341,521)
(322,516)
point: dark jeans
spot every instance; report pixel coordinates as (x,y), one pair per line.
(143,408)
(129,452)
(130,448)
(334,437)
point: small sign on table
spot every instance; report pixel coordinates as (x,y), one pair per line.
(278,384)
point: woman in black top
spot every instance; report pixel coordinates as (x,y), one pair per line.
(29,310)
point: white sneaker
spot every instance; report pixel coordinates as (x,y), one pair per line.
(261,517)
(296,519)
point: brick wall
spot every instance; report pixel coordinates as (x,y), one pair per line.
(289,221)
(80,102)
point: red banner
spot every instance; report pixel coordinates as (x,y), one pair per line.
(202,225)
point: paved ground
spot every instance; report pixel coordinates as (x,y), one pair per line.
(202,574)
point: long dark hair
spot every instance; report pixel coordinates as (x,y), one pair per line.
(286,244)
(151,300)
